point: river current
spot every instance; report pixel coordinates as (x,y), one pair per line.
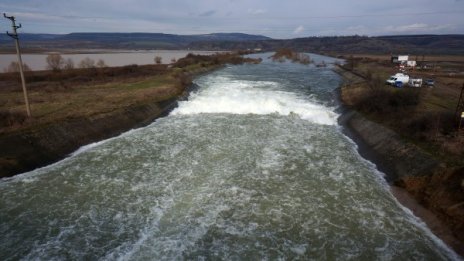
(253,166)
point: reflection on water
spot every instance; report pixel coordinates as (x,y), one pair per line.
(38,61)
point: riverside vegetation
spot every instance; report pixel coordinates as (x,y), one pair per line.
(425,117)
(285,53)
(69,95)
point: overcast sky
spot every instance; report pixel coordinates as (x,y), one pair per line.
(273,18)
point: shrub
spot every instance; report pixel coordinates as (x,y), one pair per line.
(68,64)
(428,125)
(87,63)
(55,62)
(101,64)
(352,62)
(383,100)
(158,59)
(14,67)
(287,53)
(129,68)
(9,118)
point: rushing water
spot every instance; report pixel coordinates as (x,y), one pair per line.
(253,166)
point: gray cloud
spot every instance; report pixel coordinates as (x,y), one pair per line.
(208,13)
(278,19)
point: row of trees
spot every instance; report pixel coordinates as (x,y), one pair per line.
(159,60)
(286,53)
(56,62)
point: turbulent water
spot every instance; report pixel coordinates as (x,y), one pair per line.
(253,166)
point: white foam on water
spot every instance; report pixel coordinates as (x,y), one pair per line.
(87,147)
(32,175)
(224,95)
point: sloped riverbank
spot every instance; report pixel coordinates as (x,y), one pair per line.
(433,189)
(30,149)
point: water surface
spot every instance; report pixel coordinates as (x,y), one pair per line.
(253,166)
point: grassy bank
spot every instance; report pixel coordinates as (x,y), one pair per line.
(68,94)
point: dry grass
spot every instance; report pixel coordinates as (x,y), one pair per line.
(54,102)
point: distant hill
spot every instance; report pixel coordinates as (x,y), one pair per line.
(124,40)
(409,44)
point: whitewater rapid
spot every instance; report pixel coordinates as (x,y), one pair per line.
(253,97)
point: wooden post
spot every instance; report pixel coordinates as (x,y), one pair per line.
(14,35)
(460,121)
(460,108)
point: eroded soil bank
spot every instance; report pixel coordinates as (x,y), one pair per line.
(26,150)
(432,190)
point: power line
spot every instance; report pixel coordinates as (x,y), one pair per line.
(460,108)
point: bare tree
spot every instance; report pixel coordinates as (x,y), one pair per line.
(352,62)
(304,58)
(55,62)
(68,64)
(101,63)
(14,67)
(87,63)
(158,59)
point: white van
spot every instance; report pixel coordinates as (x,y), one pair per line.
(399,77)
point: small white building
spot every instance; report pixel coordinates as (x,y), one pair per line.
(403,61)
(399,58)
(411,63)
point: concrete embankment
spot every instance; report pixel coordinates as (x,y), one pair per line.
(418,180)
(392,155)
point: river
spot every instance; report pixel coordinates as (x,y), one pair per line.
(253,166)
(115,58)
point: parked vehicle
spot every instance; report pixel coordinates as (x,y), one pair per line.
(415,82)
(397,78)
(429,82)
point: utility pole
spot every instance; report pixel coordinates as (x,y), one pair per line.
(460,108)
(14,35)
